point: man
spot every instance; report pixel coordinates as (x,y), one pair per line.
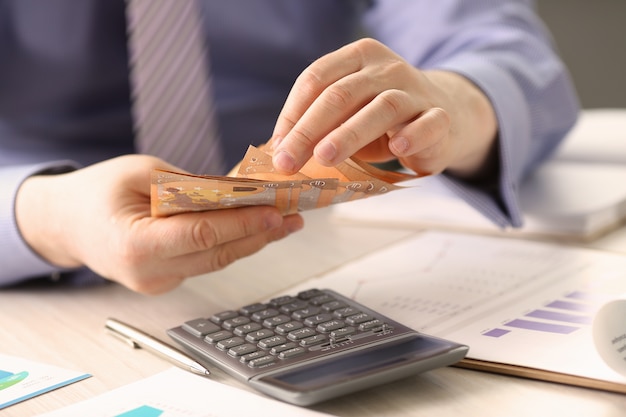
(468,88)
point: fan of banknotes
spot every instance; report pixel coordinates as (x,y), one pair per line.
(255,182)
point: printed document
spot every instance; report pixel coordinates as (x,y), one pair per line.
(515,302)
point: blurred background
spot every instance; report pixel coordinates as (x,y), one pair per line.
(591,38)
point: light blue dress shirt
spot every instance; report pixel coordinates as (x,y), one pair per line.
(64,89)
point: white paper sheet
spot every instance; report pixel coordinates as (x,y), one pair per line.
(21,379)
(177,393)
(512,301)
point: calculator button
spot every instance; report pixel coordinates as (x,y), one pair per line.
(231,342)
(252,308)
(369,325)
(306,312)
(265,360)
(275,321)
(290,353)
(217,336)
(334,305)
(321,299)
(358,318)
(244,329)
(200,327)
(342,333)
(254,355)
(270,342)
(314,340)
(342,313)
(234,322)
(317,319)
(224,315)
(308,294)
(293,306)
(265,314)
(330,326)
(242,350)
(301,333)
(279,301)
(280,348)
(257,335)
(288,327)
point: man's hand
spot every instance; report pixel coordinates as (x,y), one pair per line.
(99,216)
(365,100)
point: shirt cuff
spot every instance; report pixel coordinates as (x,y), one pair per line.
(19,262)
(514,131)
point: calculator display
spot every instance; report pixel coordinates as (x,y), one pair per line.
(313,346)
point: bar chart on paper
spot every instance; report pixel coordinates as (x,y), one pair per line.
(177,393)
(142,411)
(161,410)
(563,316)
(513,301)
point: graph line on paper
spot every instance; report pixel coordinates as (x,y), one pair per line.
(445,280)
(522,303)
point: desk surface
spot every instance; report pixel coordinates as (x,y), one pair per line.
(65,327)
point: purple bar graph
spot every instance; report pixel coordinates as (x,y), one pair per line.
(496,332)
(580,295)
(567,305)
(558,316)
(541,327)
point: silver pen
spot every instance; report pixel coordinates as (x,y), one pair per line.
(138,339)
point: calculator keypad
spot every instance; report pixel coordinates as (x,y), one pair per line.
(286,328)
(313,346)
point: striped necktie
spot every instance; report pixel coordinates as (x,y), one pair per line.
(173,112)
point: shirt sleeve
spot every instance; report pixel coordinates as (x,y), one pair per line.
(18,260)
(503,48)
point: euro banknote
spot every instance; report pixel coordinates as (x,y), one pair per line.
(256,182)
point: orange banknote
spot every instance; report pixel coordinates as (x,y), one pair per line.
(257,183)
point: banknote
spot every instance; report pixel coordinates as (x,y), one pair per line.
(256,182)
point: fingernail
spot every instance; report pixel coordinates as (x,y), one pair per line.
(284,162)
(294,226)
(399,145)
(326,151)
(275,141)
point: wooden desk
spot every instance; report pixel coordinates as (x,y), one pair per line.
(65,327)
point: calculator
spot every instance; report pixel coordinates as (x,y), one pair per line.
(312,346)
